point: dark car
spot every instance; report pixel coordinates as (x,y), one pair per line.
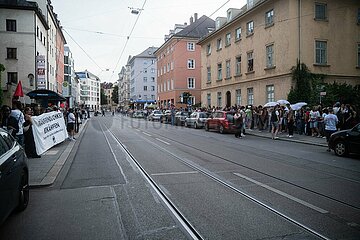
(180,118)
(14,176)
(221,121)
(346,141)
(196,119)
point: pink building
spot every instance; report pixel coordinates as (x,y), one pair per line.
(179,64)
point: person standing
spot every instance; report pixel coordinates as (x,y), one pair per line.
(290,121)
(238,122)
(19,116)
(275,119)
(29,142)
(330,121)
(71,124)
(8,122)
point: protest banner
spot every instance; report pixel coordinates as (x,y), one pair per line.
(49,129)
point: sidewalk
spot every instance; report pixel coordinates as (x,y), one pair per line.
(283,137)
(44,171)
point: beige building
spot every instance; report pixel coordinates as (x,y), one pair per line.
(248,58)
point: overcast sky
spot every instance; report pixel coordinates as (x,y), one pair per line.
(101,28)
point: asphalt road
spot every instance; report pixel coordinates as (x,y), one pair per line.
(227,188)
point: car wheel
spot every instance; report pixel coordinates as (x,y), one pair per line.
(196,125)
(340,149)
(221,129)
(206,127)
(23,192)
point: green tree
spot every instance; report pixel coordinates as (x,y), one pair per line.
(103,98)
(115,94)
(2,69)
(301,75)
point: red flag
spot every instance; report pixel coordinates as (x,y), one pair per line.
(18,91)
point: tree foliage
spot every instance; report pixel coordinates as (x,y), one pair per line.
(103,98)
(115,94)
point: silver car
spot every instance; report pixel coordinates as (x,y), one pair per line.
(196,119)
(156,115)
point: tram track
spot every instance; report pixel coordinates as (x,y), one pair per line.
(212,176)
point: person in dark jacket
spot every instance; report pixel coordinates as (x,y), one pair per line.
(9,122)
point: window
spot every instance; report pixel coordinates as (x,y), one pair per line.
(250,96)
(145,88)
(191,64)
(219,100)
(172,83)
(208,98)
(209,74)
(145,79)
(191,83)
(152,88)
(208,49)
(358,54)
(219,44)
(228,39)
(152,79)
(228,72)
(320,52)
(219,71)
(10,25)
(238,97)
(145,70)
(238,65)
(168,85)
(269,18)
(270,56)
(270,93)
(250,28)
(11,53)
(250,61)
(191,46)
(238,34)
(152,70)
(12,77)
(320,11)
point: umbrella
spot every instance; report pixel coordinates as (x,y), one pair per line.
(270,104)
(298,105)
(18,91)
(283,102)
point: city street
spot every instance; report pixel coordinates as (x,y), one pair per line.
(134,179)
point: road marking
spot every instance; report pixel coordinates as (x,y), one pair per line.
(162,141)
(145,133)
(309,205)
(173,173)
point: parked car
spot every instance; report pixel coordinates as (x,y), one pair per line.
(196,119)
(346,141)
(138,114)
(221,121)
(180,118)
(156,115)
(14,176)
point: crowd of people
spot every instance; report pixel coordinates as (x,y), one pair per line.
(18,120)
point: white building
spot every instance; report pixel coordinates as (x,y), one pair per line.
(89,90)
(23,32)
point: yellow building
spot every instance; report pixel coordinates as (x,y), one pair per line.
(248,58)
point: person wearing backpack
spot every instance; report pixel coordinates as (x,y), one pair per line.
(275,119)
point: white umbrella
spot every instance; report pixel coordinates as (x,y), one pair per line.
(270,104)
(283,102)
(298,105)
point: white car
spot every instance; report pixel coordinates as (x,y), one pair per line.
(156,115)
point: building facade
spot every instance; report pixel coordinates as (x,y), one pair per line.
(124,88)
(179,63)
(89,85)
(143,77)
(70,86)
(248,59)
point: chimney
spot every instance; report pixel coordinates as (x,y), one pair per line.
(191,20)
(196,16)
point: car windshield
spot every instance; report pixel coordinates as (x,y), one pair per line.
(230,117)
(203,115)
(157,112)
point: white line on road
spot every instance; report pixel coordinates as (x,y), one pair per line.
(145,133)
(173,173)
(162,141)
(309,205)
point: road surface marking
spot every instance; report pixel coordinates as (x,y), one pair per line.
(162,141)
(146,134)
(173,173)
(309,205)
